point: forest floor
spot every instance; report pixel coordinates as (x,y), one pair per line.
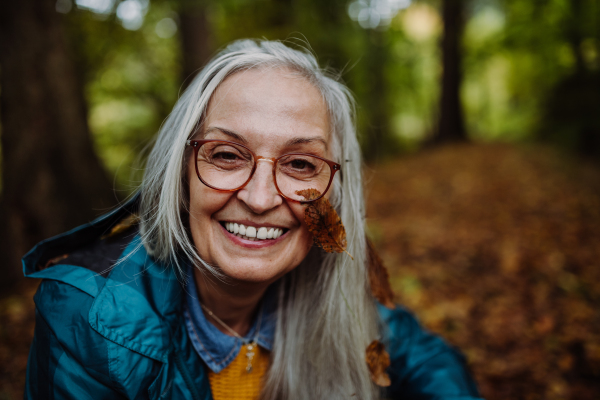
(497,249)
(494,247)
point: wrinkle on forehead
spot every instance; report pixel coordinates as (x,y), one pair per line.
(291,142)
(298,106)
(228,84)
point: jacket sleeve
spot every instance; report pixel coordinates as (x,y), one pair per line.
(67,360)
(423,366)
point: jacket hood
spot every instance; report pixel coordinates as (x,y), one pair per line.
(135,305)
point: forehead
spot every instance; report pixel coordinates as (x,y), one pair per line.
(268,107)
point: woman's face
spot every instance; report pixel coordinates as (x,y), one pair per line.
(272,112)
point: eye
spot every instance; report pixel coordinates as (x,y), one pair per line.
(225,156)
(226,152)
(300,164)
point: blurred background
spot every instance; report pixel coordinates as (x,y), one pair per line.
(479,121)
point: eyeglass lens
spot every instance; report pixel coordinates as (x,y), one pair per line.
(227,166)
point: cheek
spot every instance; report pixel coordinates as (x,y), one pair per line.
(298,210)
(305,236)
(203,200)
(204,203)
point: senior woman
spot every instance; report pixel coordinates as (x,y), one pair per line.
(218,291)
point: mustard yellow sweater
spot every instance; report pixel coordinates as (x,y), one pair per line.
(234,382)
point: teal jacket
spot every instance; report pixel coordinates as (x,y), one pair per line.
(121,335)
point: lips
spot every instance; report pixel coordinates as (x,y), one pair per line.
(253,233)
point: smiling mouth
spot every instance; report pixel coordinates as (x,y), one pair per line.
(252,232)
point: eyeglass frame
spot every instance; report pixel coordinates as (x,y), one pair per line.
(197,143)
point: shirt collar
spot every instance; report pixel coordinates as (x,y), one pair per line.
(215,347)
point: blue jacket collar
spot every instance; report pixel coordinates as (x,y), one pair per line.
(139,305)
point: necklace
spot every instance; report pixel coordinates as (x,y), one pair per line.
(250,344)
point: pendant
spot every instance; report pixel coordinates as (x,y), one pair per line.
(250,356)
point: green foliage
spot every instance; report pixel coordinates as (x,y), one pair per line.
(413,73)
(517,56)
(392,74)
(132,82)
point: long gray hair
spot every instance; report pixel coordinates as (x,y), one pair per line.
(326,316)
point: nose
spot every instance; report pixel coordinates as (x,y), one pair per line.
(260,194)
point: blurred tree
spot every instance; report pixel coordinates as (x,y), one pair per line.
(377,140)
(450,124)
(196,36)
(131,79)
(571,113)
(51,177)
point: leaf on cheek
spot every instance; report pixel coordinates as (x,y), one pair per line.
(324,223)
(329,233)
(377,361)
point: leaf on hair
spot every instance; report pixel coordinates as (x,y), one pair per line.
(122,226)
(377,361)
(379,277)
(324,223)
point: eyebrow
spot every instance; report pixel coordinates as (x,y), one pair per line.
(301,140)
(289,143)
(231,134)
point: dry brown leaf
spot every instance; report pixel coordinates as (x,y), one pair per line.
(379,278)
(377,361)
(122,226)
(52,261)
(324,223)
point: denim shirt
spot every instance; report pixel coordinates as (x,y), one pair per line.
(216,348)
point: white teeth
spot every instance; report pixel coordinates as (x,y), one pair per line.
(262,233)
(253,233)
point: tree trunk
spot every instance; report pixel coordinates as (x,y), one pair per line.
(51,178)
(377,143)
(196,40)
(450,126)
(570,117)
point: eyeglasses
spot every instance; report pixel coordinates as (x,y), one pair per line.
(229,166)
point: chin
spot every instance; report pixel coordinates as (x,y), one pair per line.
(259,261)
(253,273)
